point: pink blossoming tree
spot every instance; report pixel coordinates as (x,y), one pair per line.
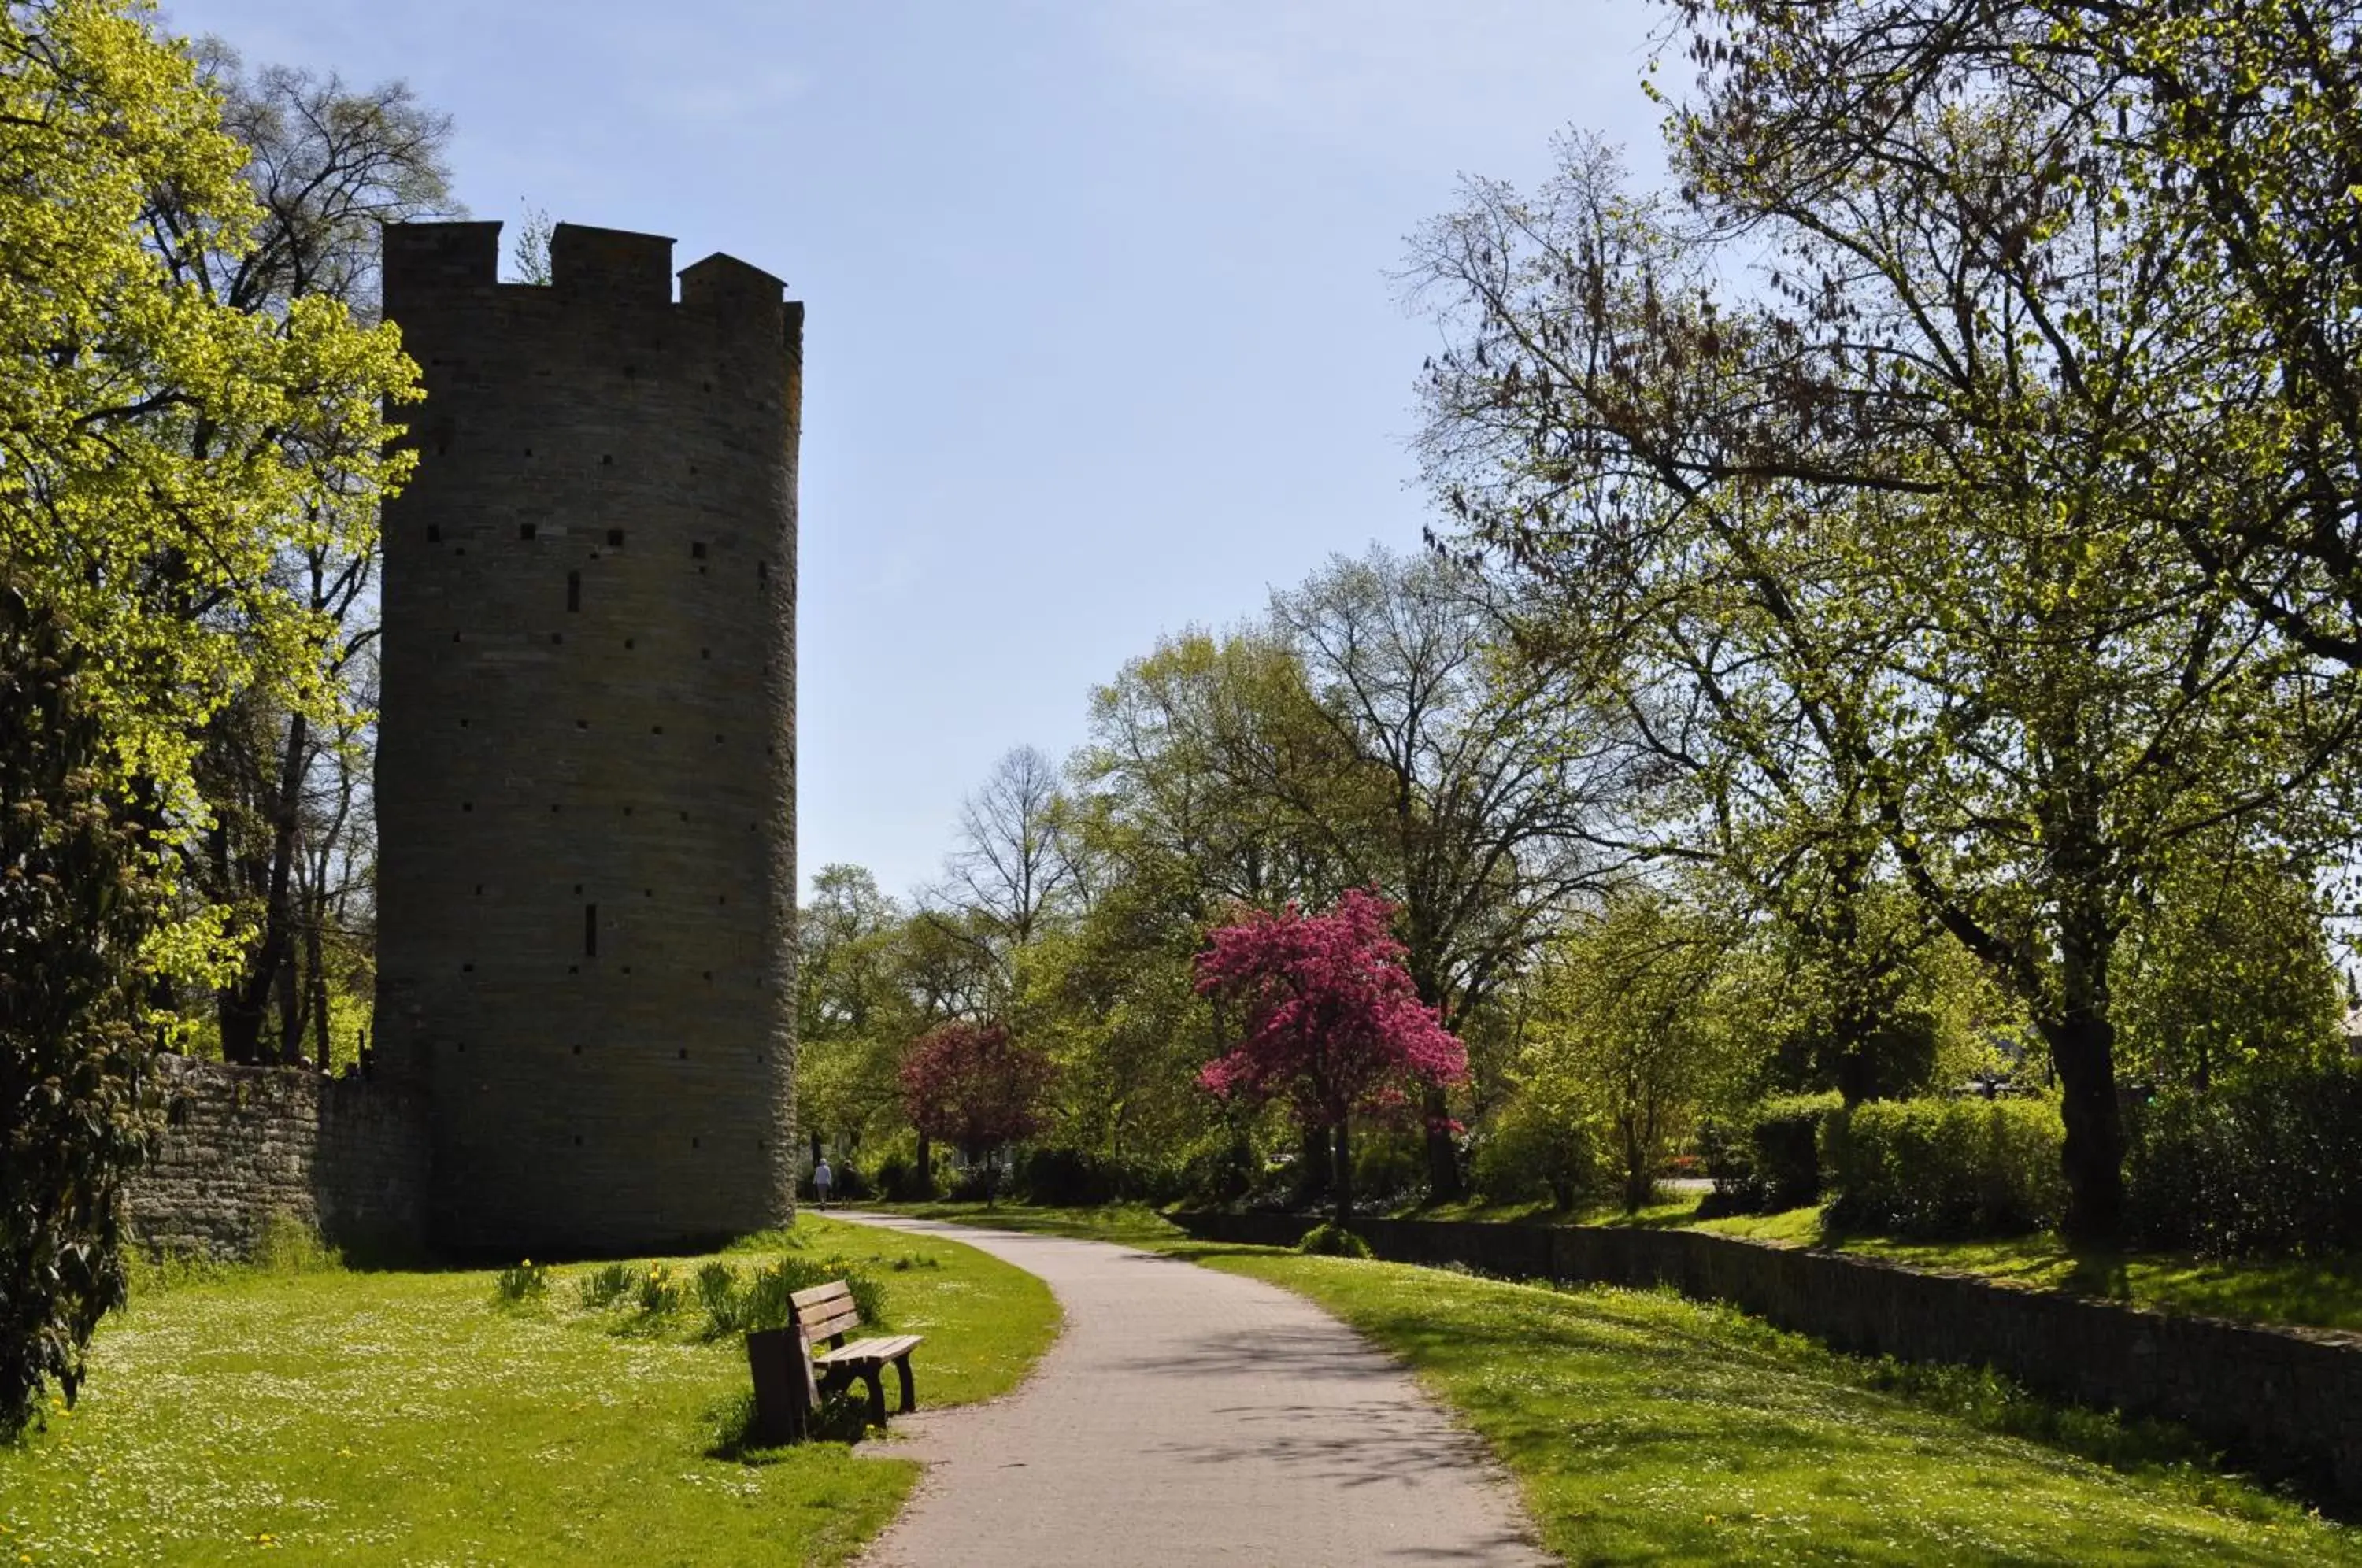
(1333,1024)
(973,1086)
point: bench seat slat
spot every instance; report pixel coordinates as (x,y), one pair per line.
(883,1349)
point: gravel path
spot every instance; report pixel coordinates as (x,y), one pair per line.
(1190,1417)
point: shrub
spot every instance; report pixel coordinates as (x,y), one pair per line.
(289,1245)
(1770,1159)
(659,1291)
(741,1305)
(605,1286)
(1946,1167)
(717,1290)
(1068,1179)
(1388,1166)
(1530,1153)
(976,1184)
(896,1179)
(2272,1166)
(1332,1241)
(529,1281)
(1219,1167)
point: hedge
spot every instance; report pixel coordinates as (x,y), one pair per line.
(1946,1167)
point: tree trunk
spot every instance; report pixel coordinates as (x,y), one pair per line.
(290,1011)
(1314,1163)
(246,1000)
(319,984)
(1639,1180)
(1341,1177)
(2082,1049)
(1443,1181)
(926,1187)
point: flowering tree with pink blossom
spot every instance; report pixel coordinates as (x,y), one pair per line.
(1332,1022)
(973,1086)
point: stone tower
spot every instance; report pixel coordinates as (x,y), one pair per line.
(585,748)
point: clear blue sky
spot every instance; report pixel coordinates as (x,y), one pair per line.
(1101,342)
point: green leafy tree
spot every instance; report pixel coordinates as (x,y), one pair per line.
(853,1016)
(1626,1040)
(2228,975)
(2222,142)
(287,840)
(1865,535)
(162,455)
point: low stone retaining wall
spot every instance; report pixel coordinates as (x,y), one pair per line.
(343,1156)
(2289,1401)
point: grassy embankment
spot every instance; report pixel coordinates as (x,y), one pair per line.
(338,1416)
(2322,1293)
(1645,1427)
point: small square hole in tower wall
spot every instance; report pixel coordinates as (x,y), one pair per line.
(526,530)
(615,537)
(697,550)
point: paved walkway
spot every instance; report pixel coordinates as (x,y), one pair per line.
(1190,1417)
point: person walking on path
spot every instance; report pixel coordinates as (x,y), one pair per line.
(823,1179)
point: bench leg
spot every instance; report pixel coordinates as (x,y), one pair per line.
(877,1395)
(910,1395)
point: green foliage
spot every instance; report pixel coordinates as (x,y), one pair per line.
(79,902)
(1068,1179)
(1626,1040)
(1389,1166)
(1882,547)
(606,1285)
(1946,1167)
(2228,976)
(2272,1163)
(289,1245)
(1772,1160)
(124,513)
(528,1281)
(1528,1153)
(737,1303)
(161,454)
(1330,1240)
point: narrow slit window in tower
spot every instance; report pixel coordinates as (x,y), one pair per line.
(589,931)
(573,590)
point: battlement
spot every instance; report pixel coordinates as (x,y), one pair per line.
(609,265)
(433,258)
(612,263)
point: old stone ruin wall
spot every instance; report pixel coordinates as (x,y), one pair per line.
(344,1156)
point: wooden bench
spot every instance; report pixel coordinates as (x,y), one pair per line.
(825,1313)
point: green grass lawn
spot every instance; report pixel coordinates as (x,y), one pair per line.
(408,1418)
(1644,1428)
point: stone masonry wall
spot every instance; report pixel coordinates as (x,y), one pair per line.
(585,743)
(345,1156)
(2288,1400)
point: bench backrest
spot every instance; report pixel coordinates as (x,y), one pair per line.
(825,1311)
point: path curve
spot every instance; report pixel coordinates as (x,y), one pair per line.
(1187,1415)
